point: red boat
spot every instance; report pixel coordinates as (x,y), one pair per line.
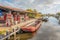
(32,27)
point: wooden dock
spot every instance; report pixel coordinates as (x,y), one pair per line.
(16,28)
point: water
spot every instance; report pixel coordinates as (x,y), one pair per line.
(48,31)
(53,20)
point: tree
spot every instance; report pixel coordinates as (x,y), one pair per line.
(30,13)
(58,13)
(35,10)
(29,10)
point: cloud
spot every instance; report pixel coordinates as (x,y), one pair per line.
(45,6)
(8,4)
(58,2)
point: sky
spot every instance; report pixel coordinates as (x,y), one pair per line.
(43,6)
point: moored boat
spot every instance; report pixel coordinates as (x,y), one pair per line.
(33,27)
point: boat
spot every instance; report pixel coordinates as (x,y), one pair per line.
(32,27)
(45,19)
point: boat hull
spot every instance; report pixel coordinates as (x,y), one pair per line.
(31,28)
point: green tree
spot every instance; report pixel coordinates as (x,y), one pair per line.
(58,13)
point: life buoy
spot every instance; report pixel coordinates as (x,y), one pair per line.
(8,19)
(18,18)
(15,18)
(5,17)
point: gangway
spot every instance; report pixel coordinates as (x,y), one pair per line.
(13,33)
(15,28)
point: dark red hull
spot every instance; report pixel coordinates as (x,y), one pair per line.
(31,28)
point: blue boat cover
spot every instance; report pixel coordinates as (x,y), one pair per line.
(1,14)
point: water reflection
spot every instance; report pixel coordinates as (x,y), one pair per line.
(23,36)
(53,20)
(26,36)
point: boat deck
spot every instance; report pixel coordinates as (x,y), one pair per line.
(15,26)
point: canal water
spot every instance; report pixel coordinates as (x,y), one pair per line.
(48,31)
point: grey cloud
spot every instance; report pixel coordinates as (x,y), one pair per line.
(43,1)
(43,4)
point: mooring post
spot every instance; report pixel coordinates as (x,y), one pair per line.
(14,34)
(7,34)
